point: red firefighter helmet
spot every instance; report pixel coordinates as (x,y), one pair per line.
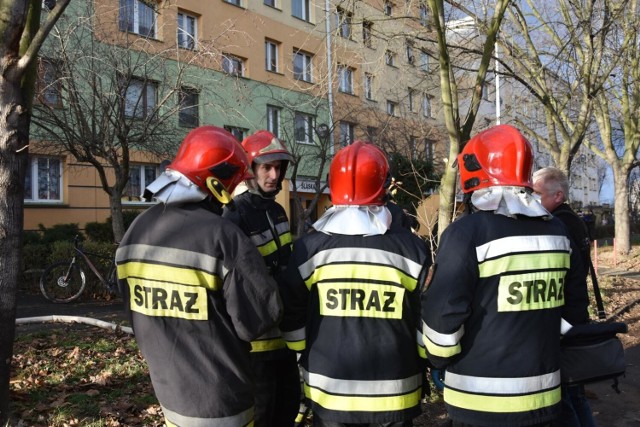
(357,175)
(265,147)
(498,156)
(210,151)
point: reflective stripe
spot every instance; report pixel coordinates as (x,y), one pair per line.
(441,350)
(363,403)
(242,419)
(169,274)
(361,272)
(296,345)
(523,262)
(271,246)
(363,388)
(531,291)
(442,339)
(564,326)
(500,404)
(171,256)
(366,256)
(259,346)
(295,340)
(514,244)
(490,385)
(351,299)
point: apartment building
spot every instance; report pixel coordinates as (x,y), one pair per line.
(316,76)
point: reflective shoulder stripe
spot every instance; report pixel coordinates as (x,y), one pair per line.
(520,262)
(361,387)
(490,385)
(440,338)
(244,418)
(173,256)
(503,403)
(360,255)
(513,244)
(363,403)
(363,272)
(169,274)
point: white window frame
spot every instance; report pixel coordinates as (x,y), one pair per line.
(390,58)
(301,9)
(271,62)
(368,86)
(234,2)
(187,30)
(345,22)
(429,149)
(367,33)
(237,131)
(189,114)
(306,71)
(232,65)
(308,126)
(388,8)
(345,79)
(424,61)
(392,108)
(141,168)
(427,105)
(347,133)
(274,119)
(130,17)
(423,14)
(33,179)
(140,98)
(49,84)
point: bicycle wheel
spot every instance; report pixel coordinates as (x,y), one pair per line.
(55,288)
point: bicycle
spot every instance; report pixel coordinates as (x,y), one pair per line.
(65,281)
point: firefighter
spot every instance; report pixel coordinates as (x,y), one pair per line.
(501,291)
(265,222)
(552,185)
(351,299)
(195,288)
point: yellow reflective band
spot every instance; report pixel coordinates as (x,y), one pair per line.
(296,345)
(285,238)
(360,300)
(168,299)
(422,352)
(267,345)
(525,262)
(167,273)
(363,403)
(268,248)
(440,350)
(531,291)
(502,404)
(362,272)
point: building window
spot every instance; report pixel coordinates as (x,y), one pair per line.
(390,58)
(423,14)
(429,149)
(232,65)
(346,133)
(391,108)
(388,8)
(427,109)
(49,83)
(137,16)
(271,56)
(139,177)
(424,61)
(48,4)
(300,9)
(187,34)
(43,180)
(413,147)
(345,76)
(273,119)
(189,115)
(344,23)
(238,132)
(271,3)
(410,99)
(140,98)
(372,133)
(367,33)
(302,66)
(304,125)
(409,49)
(234,2)
(368,86)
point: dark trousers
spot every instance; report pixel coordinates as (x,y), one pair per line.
(277,391)
(576,411)
(317,422)
(457,424)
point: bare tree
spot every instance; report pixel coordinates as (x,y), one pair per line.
(23,37)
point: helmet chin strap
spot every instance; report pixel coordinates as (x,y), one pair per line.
(218,190)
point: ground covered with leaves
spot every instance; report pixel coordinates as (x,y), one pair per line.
(80,375)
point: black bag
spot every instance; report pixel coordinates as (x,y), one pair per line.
(592,352)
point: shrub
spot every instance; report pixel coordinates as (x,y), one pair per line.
(99,232)
(59,232)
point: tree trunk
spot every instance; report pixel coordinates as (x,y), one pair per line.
(621,211)
(117,219)
(14,154)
